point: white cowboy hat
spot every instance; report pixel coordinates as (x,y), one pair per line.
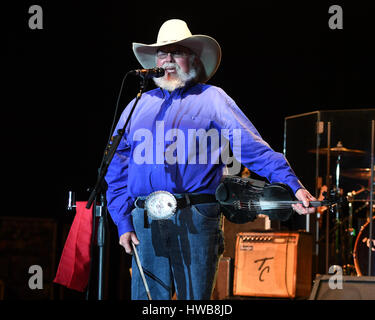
(176,31)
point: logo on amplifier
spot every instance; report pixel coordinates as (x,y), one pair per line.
(246,247)
(263,267)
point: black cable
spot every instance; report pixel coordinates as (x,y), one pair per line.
(113,121)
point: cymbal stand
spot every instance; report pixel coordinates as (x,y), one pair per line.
(328,183)
(350,230)
(370,251)
(338,208)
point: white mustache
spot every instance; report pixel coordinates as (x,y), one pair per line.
(171,65)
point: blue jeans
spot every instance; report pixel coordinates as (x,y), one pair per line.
(182,251)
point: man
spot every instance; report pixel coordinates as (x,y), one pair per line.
(162,180)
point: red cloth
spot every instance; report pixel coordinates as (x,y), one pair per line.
(74,267)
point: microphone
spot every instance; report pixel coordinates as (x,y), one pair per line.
(149,73)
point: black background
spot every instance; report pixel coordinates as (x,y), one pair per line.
(61,83)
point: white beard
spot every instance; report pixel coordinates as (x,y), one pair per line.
(176,82)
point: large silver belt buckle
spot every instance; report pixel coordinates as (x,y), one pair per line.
(160,205)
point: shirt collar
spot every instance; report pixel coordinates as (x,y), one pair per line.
(179,91)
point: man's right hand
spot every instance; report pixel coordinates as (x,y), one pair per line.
(126,239)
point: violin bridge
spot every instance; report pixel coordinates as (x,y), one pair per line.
(249,205)
(237,204)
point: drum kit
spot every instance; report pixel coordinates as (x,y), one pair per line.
(350,242)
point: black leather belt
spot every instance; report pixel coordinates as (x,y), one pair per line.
(188,200)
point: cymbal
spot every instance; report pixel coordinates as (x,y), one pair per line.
(339,151)
(357,173)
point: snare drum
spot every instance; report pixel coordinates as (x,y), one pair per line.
(361,250)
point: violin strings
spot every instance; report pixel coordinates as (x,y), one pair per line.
(265,205)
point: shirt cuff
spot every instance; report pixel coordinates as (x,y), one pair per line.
(125,225)
(295,186)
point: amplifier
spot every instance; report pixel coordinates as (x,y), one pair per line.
(230,229)
(269,264)
(352,288)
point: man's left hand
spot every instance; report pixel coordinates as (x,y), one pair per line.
(304,196)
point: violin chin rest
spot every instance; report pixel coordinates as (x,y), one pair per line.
(221,193)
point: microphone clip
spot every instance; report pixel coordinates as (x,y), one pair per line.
(149,73)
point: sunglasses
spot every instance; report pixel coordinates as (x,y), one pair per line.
(175,54)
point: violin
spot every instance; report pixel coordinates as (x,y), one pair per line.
(242,199)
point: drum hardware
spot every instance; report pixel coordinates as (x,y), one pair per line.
(338,150)
(371,255)
(361,250)
(364,248)
(349,270)
(328,182)
(354,193)
(350,230)
(358,173)
(364,206)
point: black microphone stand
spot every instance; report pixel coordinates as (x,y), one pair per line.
(100,210)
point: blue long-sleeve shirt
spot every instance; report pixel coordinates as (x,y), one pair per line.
(164,148)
